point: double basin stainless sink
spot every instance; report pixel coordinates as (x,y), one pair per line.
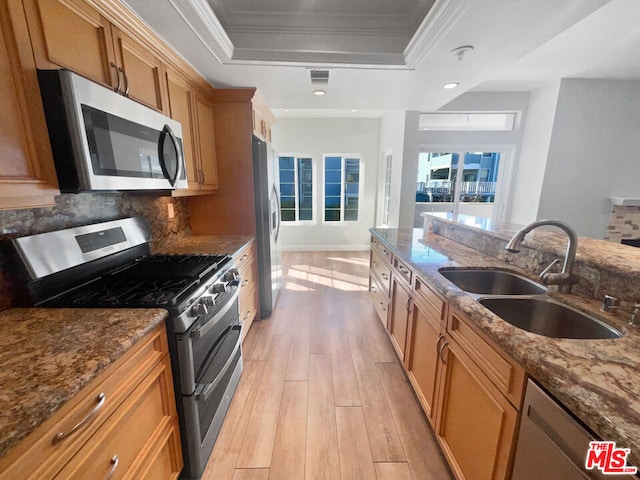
(524,304)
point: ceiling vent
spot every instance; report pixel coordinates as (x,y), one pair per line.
(319,77)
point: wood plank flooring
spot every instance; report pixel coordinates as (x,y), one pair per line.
(322,395)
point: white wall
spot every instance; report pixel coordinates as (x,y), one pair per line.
(318,136)
(392,127)
(529,173)
(593,152)
(409,170)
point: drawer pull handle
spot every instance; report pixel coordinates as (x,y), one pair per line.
(445,344)
(375,264)
(245,283)
(243,257)
(440,338)
(383,306)
(114,464)
(403,270)
(373,288)
(385,276)
(385,252)
(60,436)
(246,315)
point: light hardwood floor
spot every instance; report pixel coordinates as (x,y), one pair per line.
(322,395)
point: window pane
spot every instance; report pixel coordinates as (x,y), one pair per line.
(351,188)
(333,176)
(305,188)
(287,189)
(286,163)
(286,176)
(306,214)
(288,215)
(332,202)
(333,163)
(350,215)
(332,215)
(332,189)
(287,202)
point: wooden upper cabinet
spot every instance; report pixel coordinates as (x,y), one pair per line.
(263,118)
(73,35)
(206,142)
(141,72)
(27,174)
(181,109)
(195,113)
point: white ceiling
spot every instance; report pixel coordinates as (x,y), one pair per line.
(518,45)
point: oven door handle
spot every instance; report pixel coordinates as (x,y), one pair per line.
(210,387)
(201,330)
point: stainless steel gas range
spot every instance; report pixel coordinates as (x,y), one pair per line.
(110,265)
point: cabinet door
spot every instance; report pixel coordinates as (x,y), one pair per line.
(71,34)
(206,142)
(399,317)
(143,72)
(423,362)
(181,101)
(27,175)
(476,423)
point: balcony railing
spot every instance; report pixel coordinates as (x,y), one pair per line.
(442,190)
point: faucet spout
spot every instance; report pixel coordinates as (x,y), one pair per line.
(566,278)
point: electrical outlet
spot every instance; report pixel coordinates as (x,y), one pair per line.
(170,210)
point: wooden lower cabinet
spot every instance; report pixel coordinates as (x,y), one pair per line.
(400,309)
(423,361)
(245,262)
(470,391)
(128,425)
(476,424)
(121,443)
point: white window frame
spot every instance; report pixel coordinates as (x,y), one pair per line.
(314,184)
(343,156)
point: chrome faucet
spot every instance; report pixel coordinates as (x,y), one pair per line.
(610,303)
(564,279)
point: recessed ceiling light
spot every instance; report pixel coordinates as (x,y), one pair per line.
(354,110)
(286,109)
(319,92)
(449,86)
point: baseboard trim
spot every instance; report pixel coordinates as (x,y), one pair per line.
(324,248)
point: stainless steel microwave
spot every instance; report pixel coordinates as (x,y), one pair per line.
(102,140)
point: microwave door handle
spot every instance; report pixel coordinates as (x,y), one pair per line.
(164,134)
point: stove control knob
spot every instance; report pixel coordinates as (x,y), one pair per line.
(232,275)
(208,301)
(218,288)
(199,309)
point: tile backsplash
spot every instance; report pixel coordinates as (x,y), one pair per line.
(72,210)
(624,223)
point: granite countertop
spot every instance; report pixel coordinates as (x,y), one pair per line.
(229,244)
(48,355)
(598,380)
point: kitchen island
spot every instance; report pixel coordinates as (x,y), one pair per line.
(595,379)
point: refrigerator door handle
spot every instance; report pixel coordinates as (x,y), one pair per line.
(277,216)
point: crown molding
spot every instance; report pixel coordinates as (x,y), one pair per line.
(442,16)
(202,21)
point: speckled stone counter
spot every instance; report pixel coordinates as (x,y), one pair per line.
(598,380)
(204,244)
(48,355)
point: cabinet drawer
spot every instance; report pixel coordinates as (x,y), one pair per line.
(381,269)
(382,250)
(248,309)
(119,381)
(507,375)
(130,432)
(165,460)
(379,299)
(247,281)
(431,302)
(402,270)
(245,256)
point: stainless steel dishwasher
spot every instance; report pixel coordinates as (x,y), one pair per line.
(552,444)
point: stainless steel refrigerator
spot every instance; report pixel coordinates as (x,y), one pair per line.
(267,195)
